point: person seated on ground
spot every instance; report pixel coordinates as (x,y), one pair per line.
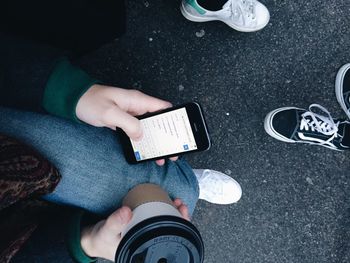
(291,124)
(95,175)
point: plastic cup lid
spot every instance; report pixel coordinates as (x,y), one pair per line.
(161,239)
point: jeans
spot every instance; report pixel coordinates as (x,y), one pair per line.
(95,175)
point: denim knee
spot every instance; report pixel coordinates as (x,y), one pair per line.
(180,182)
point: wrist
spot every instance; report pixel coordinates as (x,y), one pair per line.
(92,242)
(76,230)
(86,241)
(83,102)
(65,86)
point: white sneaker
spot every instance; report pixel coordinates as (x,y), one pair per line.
(241,15)
(217,188)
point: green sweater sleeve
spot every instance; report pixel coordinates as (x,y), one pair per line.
(73,239)
(66,84)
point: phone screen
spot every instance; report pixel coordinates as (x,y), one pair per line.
(165,134)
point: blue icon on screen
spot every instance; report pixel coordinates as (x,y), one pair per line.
(185,147)
(137,156)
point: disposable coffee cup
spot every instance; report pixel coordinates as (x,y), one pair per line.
(157,233)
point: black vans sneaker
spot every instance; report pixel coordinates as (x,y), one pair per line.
(291,124)
(342,88)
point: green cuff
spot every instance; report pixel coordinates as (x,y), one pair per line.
(73,240)
(64,88)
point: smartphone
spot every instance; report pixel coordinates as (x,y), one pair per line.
(168,133)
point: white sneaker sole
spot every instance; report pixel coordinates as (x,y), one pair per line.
(194,18)
(339,87)
(223,202)
(271,131)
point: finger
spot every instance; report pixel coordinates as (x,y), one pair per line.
(116,117)
(174,158)
(139,103)
(178,202)
(183,209)
(160,162)
(117,221)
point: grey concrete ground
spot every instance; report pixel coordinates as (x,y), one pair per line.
(295,205)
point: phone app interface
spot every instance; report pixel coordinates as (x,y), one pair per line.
(165,134)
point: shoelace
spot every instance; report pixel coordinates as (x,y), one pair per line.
(246,6)
(321,123)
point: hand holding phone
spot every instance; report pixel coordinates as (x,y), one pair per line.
(168,133)
(106,106)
